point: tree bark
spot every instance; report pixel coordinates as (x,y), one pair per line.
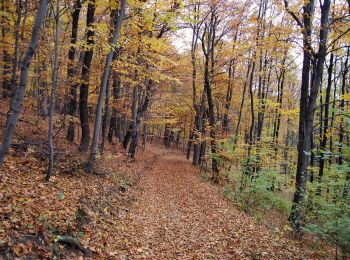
(72,106)
(104,82)
(324,139)
(16,103)
(134,132)
(242,103)
(16,47)
(53,93)
(85,76)
(6,83)
(105,117)
(308,105)
(280,95)
(115,123)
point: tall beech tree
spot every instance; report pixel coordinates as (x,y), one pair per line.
(114,40)
(213,30)
(53,91)
(72,105)
(308,97)
(16,102)
(85,77)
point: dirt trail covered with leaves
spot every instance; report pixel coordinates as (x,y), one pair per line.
(156,207)
(179,216)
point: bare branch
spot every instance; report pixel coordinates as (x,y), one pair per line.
(295,17)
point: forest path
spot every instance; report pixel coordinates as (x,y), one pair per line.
(178,216)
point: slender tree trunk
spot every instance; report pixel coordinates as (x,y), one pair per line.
(144,136)
(134,133)
(85,75)
(229,92)
(53,93)
(72,106)
(307,107)
(242,104)
(142,109)
(323,143)
(346,70)
(105,117)
(115,121)
(198,123)
(127,137)
(16,47)
(252,114)
(211,112)
(203,143)
(43,89)
(277,124)
(6,84)
(189,145)
(342,107)
(263,63)
(16,103)
(105,76)
(197,107)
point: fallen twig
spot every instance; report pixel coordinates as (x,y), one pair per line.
(74,242)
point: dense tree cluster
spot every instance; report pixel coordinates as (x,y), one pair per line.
(261,88)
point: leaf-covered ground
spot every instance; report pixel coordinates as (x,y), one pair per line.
(177,216)
(155,208)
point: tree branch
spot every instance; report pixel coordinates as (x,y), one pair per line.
(300,24)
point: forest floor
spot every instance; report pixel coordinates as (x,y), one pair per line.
(178,216)
(156,207)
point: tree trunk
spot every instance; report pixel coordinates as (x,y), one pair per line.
(134,131)
(342,107)
(229,92)
(197,131)
(324,139)
(115,123)
(16,48)
(16,103)
(296,216)
(242,104)
(280,92)
(346,70)
(142,109)
(307,107)
(252,114)
(53,93)
(105,117)
(85,76)
(104,82)
(6,83)
(189,145)
(72,106)
(211,113)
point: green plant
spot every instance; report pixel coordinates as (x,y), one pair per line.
(331,222)
(204,176)
(264,193)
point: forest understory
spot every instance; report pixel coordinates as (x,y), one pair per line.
(155,207)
